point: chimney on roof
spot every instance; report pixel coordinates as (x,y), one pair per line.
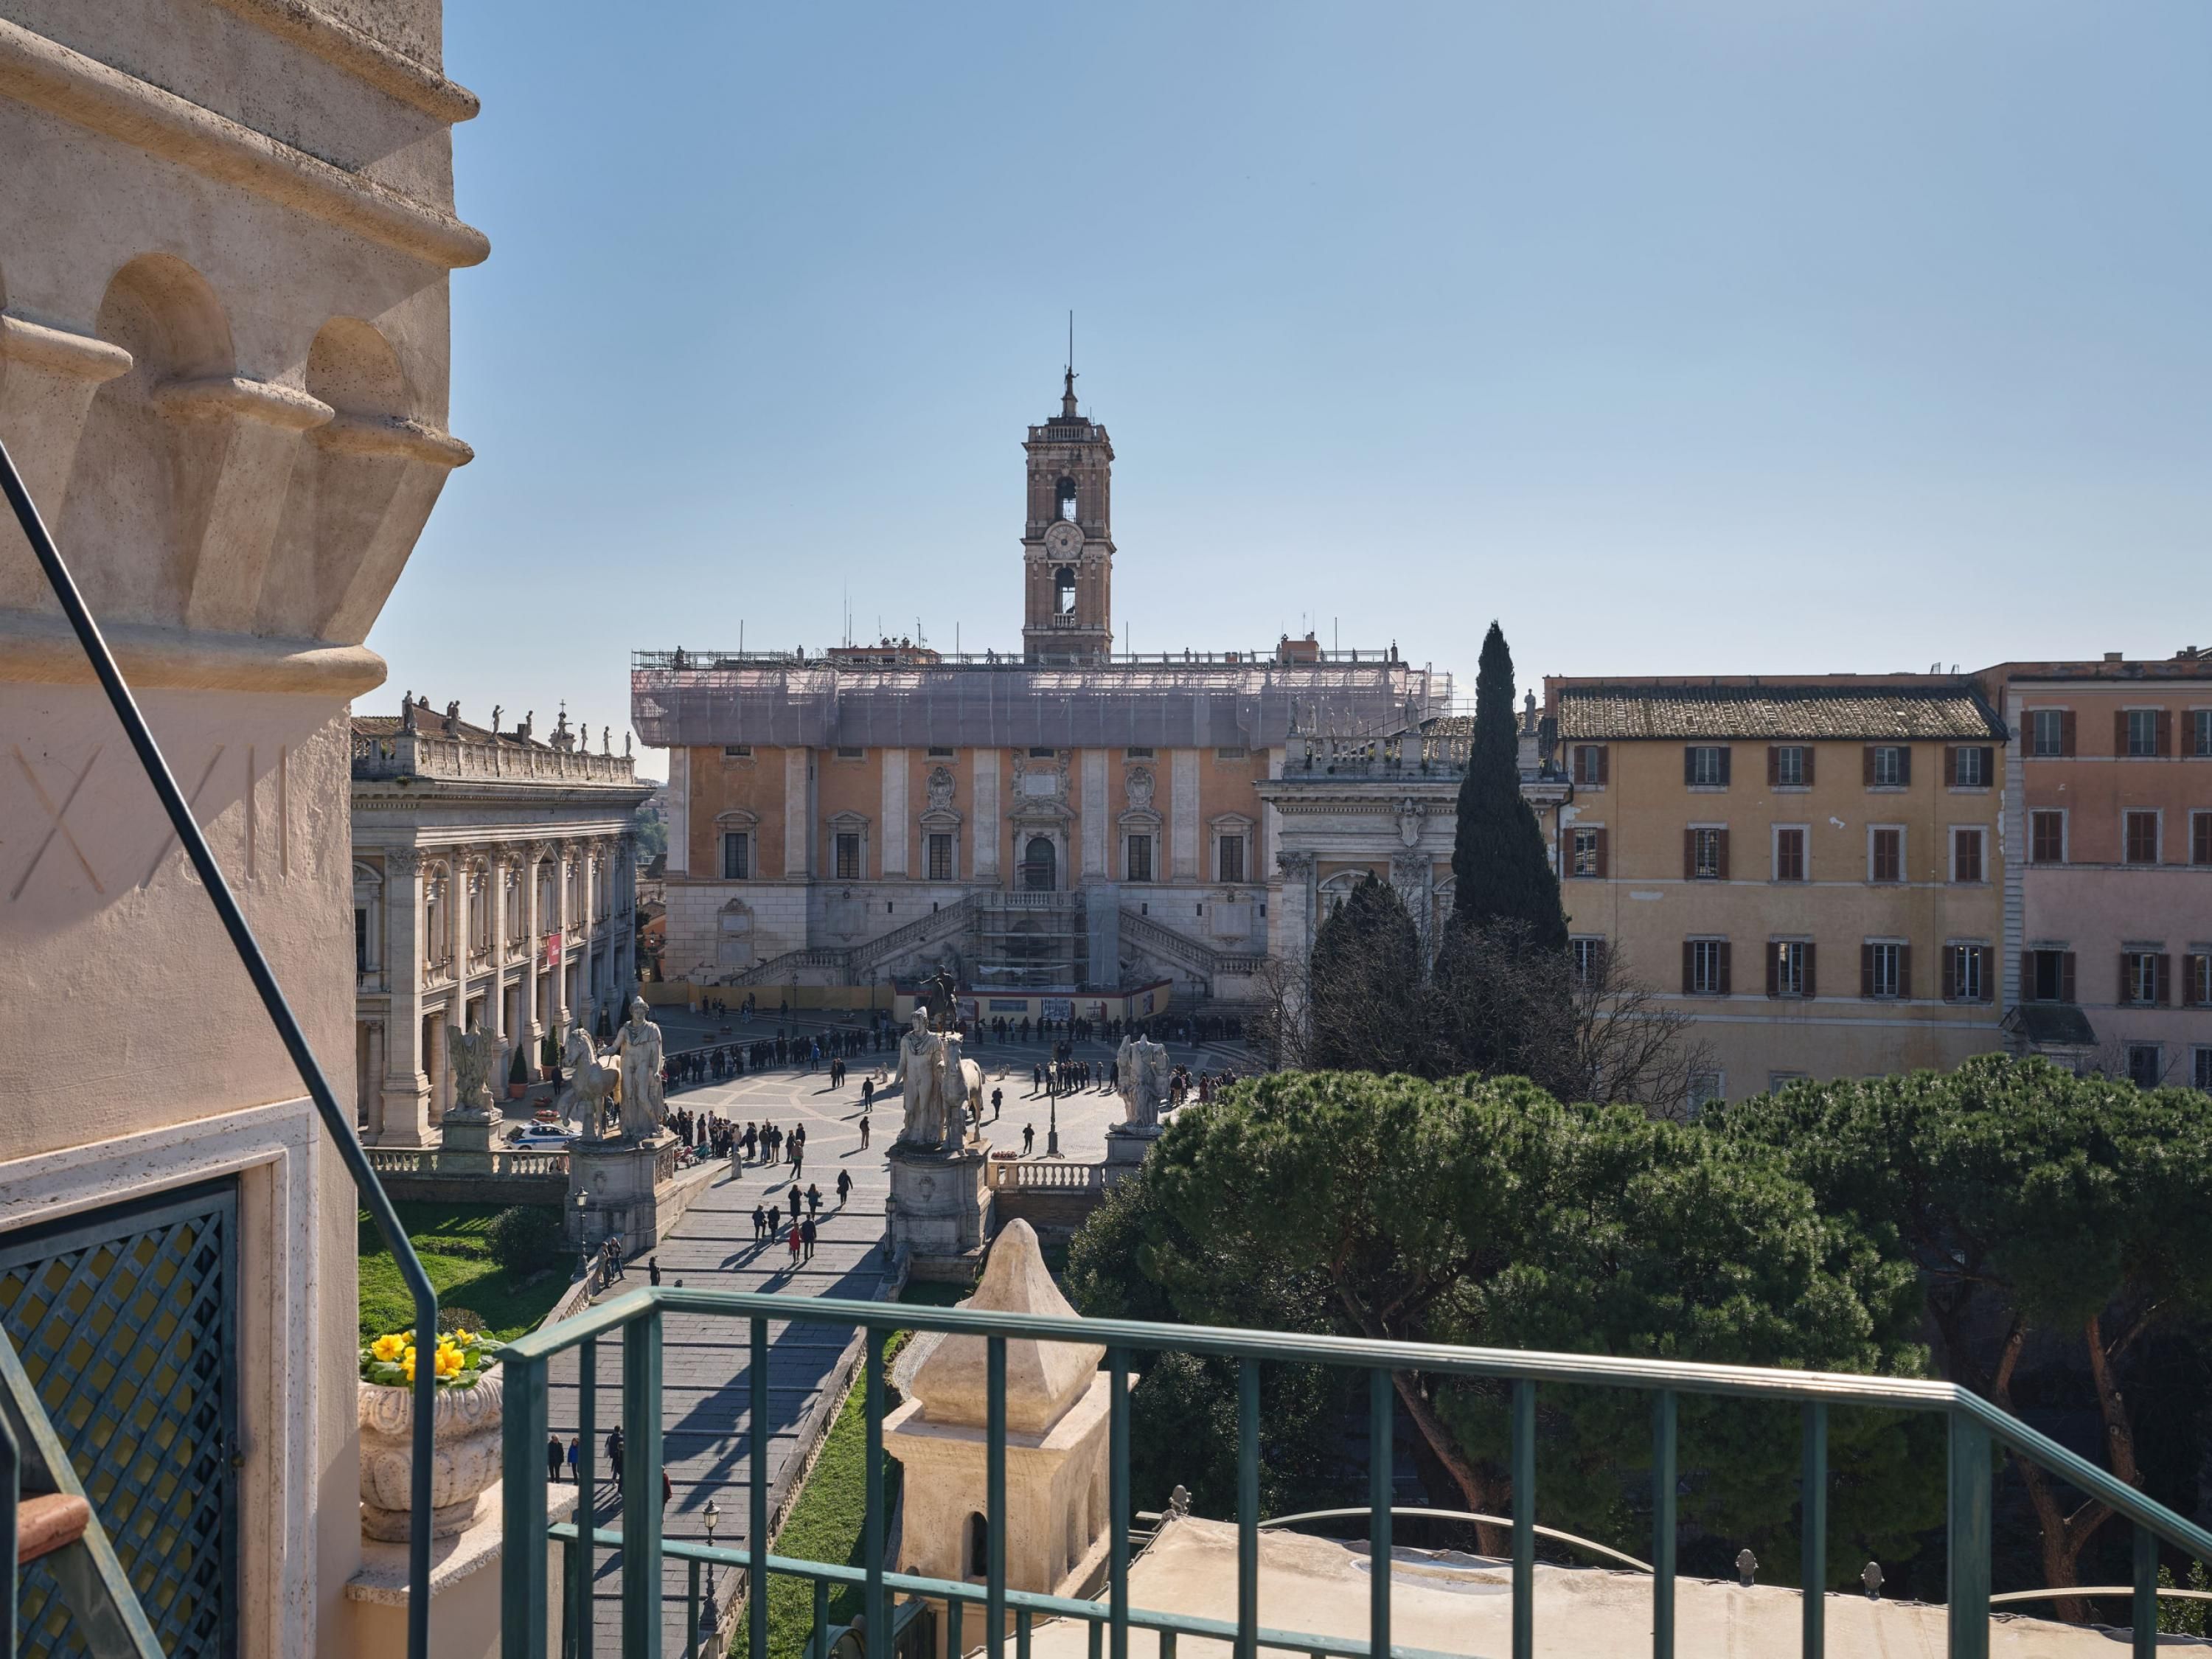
(2115,656)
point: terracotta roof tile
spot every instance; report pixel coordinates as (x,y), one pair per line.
(1945,709)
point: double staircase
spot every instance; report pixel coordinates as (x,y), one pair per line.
(1202,962)
(856,964)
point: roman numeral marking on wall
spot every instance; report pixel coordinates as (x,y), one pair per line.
(57,826)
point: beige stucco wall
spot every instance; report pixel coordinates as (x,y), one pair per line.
(223,363)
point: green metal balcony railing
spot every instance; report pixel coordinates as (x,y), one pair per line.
(1976,1429)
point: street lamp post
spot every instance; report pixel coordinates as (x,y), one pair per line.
(584,1233)
(710,1615)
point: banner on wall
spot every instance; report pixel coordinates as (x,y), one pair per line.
(553,949)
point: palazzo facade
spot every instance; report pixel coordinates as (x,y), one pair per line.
(1062,820)
(495,878)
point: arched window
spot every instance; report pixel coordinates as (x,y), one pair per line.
(1063,591)
(1037,865)
(979,1547)
(1066,495)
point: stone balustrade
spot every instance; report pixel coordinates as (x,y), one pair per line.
(426,754)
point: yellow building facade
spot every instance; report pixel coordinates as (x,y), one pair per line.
(1811,869)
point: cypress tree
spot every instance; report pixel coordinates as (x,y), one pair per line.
(1498,861)
(1366,985)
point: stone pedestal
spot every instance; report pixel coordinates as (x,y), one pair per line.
(939,1209)
(1127,1144)
(466,1147)
(619,1181)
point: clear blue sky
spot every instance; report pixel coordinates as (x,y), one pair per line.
(1721,337)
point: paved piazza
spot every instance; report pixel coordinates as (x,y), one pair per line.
(705,1375)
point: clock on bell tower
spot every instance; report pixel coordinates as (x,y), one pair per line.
(1067,541)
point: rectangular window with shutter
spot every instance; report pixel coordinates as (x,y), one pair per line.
(848,856)
(2142,978)
(737,856)
(1789,766)
(1965,855)
(1138,859)
(1708,850)
(1790,973)
(1592,764)
(1589,959)
(1706,766)
(2046,837)
(2196,979)
(2138,733)
(1230,858)
(1970,769)
(1967,974)
(940,857)
(1888,766)
(1886,857)
(2048,976)
(2047,734)
(2146,1065)
(2200,838)
(2141,838)
(737,751)
(1881,969)
(2199,733)
(1708,962)
(1789,853)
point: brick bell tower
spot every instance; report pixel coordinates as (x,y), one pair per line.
(1068,542)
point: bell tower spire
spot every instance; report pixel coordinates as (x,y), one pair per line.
(1067,541)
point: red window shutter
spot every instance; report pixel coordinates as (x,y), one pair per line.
(2164,741)
(1689,855)
(1600,849)
(1721,860)
(1866,970)
(1726,753)
(2066,734)
(1811,956)
(1773,970)
(1950,973)
(1773,764)
(1950,766)
(2162,991)
(1905,764)
(1689,966)
(1866,765)
(2119,731)
(1808,763)
(1727,971)
(2066,976)
(1604,752)
(1689,763)
(1904,970)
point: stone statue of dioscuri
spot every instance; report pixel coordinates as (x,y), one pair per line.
(936,1084)
(1141,1075)
(469,1054)
(638,1042)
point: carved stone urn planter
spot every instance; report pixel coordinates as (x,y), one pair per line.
(466,1430)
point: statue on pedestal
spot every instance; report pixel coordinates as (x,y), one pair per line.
(638,1043)
(468,1053)
(920,1072)
(1140,1076)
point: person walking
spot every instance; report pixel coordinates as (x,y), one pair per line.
(998,1098)
(867,1096)
(807,1232)
(798,1162)
(555,1455)
(575,1459)
(774,1220)
(653,1269)
(844,1187)
(813,1200)
(863,1132)
(760,1223)
(1029,1138)
(794,1241)
(615,1454)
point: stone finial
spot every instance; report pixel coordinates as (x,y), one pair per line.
(1870,1576)
(1747,1566)
(1044,1379)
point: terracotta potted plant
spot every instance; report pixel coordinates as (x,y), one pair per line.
(466,1430)
(517,1075)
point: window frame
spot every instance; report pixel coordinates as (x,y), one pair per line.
(1226,843)
(1894,991)
(1897,758)
(1874,878)
(1708,838)
(1978,835)
(1694,755)
(1803,832)
(2130,818)
(841,842)
(2146,749)
(1792,960)
(1708,966)
(849,751)
(1785,755)
(737,751)
(1985,761)
(950,842)
(2038,813)
(2199,729)
(1596,848)
(1958,953)
(2156,1068)
(740,842)
(2037,719)
(1588,957)
(1129,841)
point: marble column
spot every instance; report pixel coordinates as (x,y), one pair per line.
(406,1119)
(495,990)
(564,864)
(533,952)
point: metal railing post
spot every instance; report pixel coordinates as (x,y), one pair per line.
(336,1122)
(756,1515)
(872,1556)
(1524,1519)
(1382,1467)
(584,1613)
(1813,1502)
(523,1588)
(1117,1516)
(1663,1419)
(1247,1509)
(640,1486)
(994,1499)
(2144,1609)
(1968,1533)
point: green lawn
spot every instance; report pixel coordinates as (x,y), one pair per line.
(451,1240)
(824,1523)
